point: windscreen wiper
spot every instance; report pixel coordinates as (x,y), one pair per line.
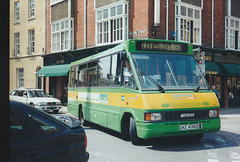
(199,84)
(156,83)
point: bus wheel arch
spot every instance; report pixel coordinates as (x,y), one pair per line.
(133,132)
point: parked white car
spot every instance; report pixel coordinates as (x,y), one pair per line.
(37,98)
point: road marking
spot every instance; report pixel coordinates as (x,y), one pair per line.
(234,155)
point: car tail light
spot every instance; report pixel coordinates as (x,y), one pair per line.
(85,142)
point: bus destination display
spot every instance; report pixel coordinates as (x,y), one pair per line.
(161,46)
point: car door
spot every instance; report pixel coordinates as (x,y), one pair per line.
(30,135)
(20,96)
(23,147)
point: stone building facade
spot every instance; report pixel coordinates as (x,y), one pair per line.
(27,43)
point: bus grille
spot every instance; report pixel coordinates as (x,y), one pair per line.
(186,115)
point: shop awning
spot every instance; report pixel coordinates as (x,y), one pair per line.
(212,69)
(232,69)
(54,70)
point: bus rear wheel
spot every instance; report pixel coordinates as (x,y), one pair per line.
(133,132)
(81,118)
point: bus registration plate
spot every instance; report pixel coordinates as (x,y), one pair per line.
(190,126)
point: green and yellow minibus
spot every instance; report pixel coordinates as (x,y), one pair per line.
(144,88)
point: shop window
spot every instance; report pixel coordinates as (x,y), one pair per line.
(233,85)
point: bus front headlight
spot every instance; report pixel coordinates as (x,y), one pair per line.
(213,113)
(152,116)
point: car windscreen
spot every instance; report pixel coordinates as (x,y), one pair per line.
(37,93)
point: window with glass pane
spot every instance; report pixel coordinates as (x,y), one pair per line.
(31,41)
(99,33)
(31,8)
(20,74)
(188,24)
(232,33)
(105,32)
(110,24)
(82,76)
(17,12)
(115,78)
(92,73)
(62,36)
(171,71)
(16,44)
(104,71)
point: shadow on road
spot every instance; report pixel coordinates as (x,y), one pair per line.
(181,143)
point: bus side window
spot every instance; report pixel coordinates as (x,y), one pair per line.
(104,71)
(92,73)
(115,78)
(82,75)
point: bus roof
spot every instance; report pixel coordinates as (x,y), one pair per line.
(143,45)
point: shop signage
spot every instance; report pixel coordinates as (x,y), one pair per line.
(212,72)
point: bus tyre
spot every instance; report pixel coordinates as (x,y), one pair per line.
(133,132)
(81,118)
(197,137)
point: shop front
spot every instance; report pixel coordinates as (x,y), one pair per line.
(222,69)
(56,80)
(56,69)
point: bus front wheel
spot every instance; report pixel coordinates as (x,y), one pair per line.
(197,137)
(133,132)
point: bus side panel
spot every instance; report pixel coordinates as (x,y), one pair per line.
(113,112)
(72,103)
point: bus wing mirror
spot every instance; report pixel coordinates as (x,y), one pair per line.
(123,55)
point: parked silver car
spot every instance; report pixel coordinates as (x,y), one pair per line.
(37,98)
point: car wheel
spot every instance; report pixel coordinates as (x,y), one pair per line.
(32,104)
(55,111)
(133,132)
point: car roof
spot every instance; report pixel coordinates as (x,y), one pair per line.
(28,89)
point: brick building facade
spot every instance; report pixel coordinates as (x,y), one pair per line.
(79,28)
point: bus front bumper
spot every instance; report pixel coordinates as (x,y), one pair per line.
(165,129)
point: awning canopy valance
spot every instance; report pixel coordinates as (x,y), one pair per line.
(54,70)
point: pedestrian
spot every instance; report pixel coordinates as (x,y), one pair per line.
(215,90)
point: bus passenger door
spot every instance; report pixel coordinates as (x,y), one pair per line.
(113,111)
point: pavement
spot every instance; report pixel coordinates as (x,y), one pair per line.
(230,123)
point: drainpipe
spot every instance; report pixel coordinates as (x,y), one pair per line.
(166,19)
(212,23)
(85,26)
(45,19)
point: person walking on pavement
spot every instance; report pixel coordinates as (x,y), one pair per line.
(215,90)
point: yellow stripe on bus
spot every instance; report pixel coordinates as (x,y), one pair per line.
(148,101)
